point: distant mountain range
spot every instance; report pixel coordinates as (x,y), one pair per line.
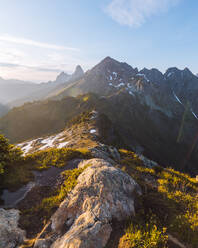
(15,92)
(111,76)
(153,113)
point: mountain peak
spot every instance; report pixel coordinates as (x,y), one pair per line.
(153,75)
(187,71)
(175,72)
(78,72)
(62,77)
(108,59)
(108,65)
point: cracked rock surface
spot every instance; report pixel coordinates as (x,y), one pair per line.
(11,236)
(102,193)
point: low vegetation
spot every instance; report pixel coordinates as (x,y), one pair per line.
(16,170)
(44,209)
(8,154)
(55,157)
(169,200)
(42,118)
(70,181)
(168,205)
(144,234)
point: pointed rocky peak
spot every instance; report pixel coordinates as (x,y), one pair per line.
(187,72)
(152,75)
(111,67)
(78,73)
(171,70)
(62,78)
(175,73)
(107,62)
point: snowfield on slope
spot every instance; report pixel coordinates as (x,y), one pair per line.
(54,141)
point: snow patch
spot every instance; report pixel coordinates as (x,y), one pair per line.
(61,145)
(170,73)
(131,93)
(119,85)
(176,97)
(94,115)
(144,76)
(49,142)
(93,131)
(194,115)
(27,146)
(115,74)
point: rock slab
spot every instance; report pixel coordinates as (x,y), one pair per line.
(11,236)
(83,220)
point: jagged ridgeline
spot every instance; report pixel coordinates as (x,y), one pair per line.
(138,126)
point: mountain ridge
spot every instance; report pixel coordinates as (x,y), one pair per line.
(43,90)
(129,98)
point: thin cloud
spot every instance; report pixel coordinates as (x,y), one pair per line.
(134,13)
(23,41)
(10,65)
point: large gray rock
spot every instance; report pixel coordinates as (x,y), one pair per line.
(102,193)
(11,236)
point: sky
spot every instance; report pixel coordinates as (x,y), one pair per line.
(40,38)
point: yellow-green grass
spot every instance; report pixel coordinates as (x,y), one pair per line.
(169,195)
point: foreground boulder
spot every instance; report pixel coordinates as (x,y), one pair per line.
(83,220)
(10,235)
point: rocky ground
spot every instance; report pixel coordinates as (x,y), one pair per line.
(103,193)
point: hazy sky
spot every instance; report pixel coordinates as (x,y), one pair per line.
(39,38)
